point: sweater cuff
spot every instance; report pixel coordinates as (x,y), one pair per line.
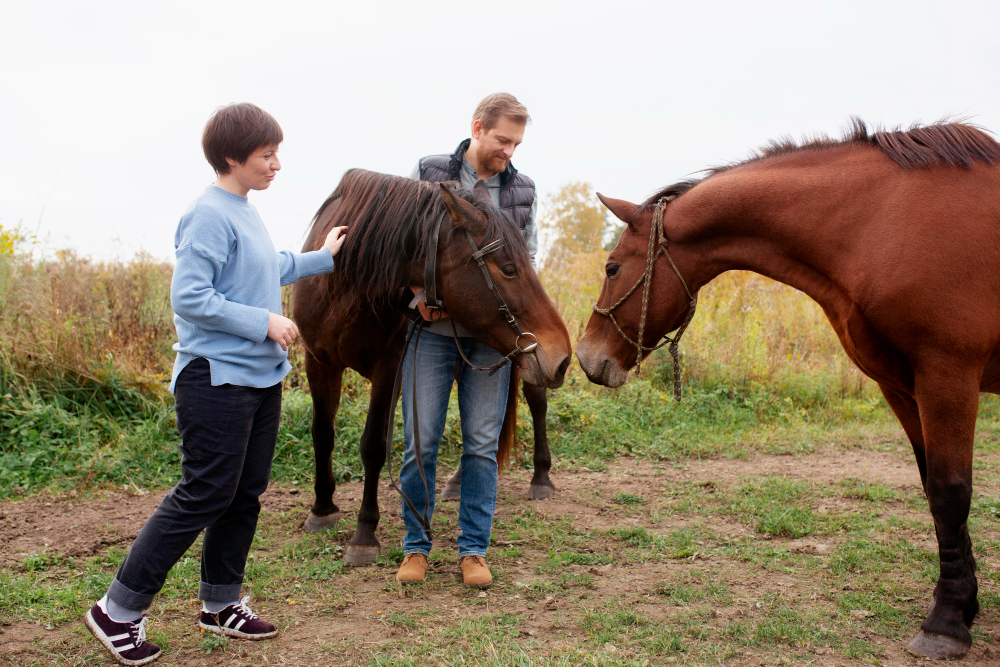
(248,322)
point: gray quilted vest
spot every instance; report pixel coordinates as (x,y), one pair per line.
(517,191)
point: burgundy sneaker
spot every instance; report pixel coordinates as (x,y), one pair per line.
(237,620)
(126,641)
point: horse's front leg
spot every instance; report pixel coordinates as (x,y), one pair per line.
(541,486)
(948,406)
(364,546)
(324,385)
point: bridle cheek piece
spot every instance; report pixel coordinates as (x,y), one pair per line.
(479,255)
(657,246)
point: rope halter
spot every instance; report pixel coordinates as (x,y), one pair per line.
(657,246)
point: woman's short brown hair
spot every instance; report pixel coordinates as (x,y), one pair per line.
(496,105)
(235,131)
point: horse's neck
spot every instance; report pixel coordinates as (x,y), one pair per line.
(791,226)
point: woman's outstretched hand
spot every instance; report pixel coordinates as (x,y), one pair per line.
(335,239)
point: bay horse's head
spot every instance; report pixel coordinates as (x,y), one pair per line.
(476,224)
(644,296)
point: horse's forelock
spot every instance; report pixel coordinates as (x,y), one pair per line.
(500,225)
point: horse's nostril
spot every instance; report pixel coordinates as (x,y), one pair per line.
(561,371)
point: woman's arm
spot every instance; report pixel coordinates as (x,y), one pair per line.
(295,266)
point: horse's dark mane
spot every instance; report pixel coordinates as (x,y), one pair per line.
(947,143)
(389,217)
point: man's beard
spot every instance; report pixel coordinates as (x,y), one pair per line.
(491,161)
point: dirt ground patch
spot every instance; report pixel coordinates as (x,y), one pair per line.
(363,614)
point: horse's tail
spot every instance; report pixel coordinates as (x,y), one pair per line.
(507,450)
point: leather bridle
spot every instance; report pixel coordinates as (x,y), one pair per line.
(657,246)
(435,305)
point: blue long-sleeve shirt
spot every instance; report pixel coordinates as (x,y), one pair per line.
(227,282)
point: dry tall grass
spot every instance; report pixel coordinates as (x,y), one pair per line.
(73,318)
(76,320)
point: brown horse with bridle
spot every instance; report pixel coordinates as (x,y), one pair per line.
(351,318)
(896,235)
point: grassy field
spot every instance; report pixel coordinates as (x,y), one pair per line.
(774,516)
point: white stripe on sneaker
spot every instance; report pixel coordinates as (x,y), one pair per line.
(125,648)
(118,638)
(230,620)
(240,624)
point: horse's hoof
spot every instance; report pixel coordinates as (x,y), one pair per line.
(451,492)
(540,492)
(360,556)
(938,647)
(315,523)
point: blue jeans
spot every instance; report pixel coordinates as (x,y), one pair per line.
(482,401)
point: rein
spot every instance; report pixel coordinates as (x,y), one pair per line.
(657,246)
(436,305)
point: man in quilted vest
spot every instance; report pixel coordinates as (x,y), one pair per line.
(498,126)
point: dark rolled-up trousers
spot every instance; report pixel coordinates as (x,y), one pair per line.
(228,435)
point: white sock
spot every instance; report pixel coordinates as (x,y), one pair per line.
(118,613)
(213,607)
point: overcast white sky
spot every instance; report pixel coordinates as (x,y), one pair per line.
(102,104)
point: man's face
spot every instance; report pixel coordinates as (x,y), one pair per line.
(495,147)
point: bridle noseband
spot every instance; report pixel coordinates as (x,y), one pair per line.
(657,246)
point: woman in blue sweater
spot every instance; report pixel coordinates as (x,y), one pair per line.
(232,353)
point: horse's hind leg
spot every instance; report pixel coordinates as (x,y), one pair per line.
(948,419)
(364,546)
(324,385)
(541,486)
(453,489)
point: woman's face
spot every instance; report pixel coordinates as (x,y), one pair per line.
(259,169)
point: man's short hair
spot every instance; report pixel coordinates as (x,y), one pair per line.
(496,105)
(236,131)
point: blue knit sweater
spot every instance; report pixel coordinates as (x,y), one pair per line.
(226,283)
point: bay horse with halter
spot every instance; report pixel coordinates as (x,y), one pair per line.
(896,234)
(351,317)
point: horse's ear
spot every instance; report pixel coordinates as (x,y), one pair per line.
(462,212)
(623,210)
(481,192)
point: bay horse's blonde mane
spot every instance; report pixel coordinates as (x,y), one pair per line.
(942,143)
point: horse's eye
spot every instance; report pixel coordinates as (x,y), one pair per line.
(611,270)
(509,270)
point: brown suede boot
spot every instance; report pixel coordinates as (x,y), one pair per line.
(413,570)
(474,572)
